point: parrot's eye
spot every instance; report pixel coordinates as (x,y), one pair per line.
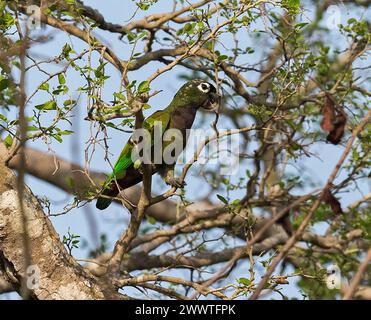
(204,87)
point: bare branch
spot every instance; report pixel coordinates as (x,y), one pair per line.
(358,277)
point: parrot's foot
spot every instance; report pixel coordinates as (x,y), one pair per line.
(175,182)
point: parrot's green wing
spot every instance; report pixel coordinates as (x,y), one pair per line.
(162,117)
(125,159)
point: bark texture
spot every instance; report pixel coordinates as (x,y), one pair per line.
(61,277)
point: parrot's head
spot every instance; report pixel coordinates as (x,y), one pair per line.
(197,93)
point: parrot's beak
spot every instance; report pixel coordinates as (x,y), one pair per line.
(212,102)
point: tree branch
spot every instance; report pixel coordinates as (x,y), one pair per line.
(59,276)
(358,277)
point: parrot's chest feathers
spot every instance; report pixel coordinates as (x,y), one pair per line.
(183,118)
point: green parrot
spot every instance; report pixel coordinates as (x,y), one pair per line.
(179,114)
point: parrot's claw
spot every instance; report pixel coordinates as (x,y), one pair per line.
(175,182)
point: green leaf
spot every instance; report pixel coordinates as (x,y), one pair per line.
(65,132)
(58,138)
(8,141)
(301,25)
(32,128)
(4,83)
(236,202)
(222,57)
(7,20)
(68,102)
(188,28)
(222,199)
(111,125)
(143,6)
(292,6)
(352,20)
(131,84)
(244,281)
(66,50)
(47,11)
(143,87)
(131,36)
(245,20)
(61,78)
(151,220)
(59,90)
(99,72)
(49,105)
(44,86)
(120,96)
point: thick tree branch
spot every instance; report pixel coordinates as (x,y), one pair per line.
(57,277)
(358,277)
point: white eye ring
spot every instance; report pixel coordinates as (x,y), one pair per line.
(204,87)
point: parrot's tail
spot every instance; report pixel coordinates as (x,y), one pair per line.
(104,202)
